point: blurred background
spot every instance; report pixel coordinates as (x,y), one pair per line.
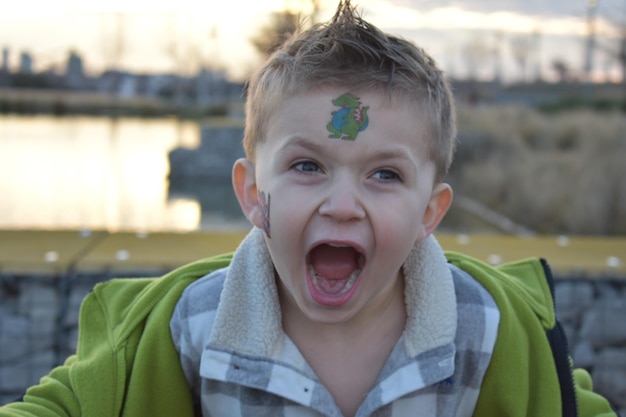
(102,103)
(120,120)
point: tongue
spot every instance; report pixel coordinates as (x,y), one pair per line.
(332,262)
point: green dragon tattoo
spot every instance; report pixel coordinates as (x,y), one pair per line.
(350,119)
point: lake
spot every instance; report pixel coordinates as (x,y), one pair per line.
(100,173)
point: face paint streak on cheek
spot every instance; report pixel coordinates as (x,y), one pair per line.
(264,205)
(349,120)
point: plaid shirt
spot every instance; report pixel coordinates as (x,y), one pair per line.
(239,362)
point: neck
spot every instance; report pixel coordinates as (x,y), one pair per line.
(348,354)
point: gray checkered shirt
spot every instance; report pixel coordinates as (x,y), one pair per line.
(238,361)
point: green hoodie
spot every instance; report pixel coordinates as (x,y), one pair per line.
(126,364)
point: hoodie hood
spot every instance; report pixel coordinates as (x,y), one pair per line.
(249,318)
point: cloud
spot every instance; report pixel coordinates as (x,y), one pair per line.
(400,16)
(527,7)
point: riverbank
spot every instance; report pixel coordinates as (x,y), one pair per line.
(67,103)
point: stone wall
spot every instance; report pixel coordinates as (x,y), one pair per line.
(38,326)
(219,148)
(39,314)
(593,315)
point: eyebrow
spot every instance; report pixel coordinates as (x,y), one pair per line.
(394,153)
(298,141)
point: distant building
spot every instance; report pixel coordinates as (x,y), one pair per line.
(128,86)
(210,86)
(157,84)
(5,60)
(4,70)
(26,63)
(75,75)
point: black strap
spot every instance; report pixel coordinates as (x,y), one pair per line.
(560,353)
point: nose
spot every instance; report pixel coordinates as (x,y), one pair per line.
(343,203)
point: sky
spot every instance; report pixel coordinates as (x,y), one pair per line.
(163,35)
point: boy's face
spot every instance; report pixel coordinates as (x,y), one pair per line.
(343,188)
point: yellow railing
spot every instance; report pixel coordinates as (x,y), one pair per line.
(57,252)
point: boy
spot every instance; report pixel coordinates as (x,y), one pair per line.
(339,302)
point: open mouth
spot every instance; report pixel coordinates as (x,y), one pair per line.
(334,270)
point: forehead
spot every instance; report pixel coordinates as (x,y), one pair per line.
(333,115)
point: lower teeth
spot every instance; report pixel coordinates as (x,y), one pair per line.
(348,283)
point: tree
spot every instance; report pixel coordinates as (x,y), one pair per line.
(475,54)
(521,47)
(613,44)
(300,6)
(114,40)
(281,26)
(562,70)
(284,23)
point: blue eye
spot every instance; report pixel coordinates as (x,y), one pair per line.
(386,175)
(307,166)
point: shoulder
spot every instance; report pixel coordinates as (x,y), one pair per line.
(123,303)
(123,296)
(468,290)
(202,295)
(521,289)
(194,313)
(478,315)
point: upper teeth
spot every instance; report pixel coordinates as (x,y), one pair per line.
(338,245)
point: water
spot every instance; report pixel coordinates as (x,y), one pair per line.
(99,173)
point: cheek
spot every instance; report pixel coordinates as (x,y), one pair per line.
(397,239)
(393,249)
(290,206)
(399,228)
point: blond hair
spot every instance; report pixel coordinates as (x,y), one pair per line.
(348,51)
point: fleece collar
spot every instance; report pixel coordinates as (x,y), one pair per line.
(248,319)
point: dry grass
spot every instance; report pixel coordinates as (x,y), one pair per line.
(563,173)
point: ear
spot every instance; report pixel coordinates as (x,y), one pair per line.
(244,185)
(438,205)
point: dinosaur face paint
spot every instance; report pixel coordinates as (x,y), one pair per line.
(349,120)
(264,205)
